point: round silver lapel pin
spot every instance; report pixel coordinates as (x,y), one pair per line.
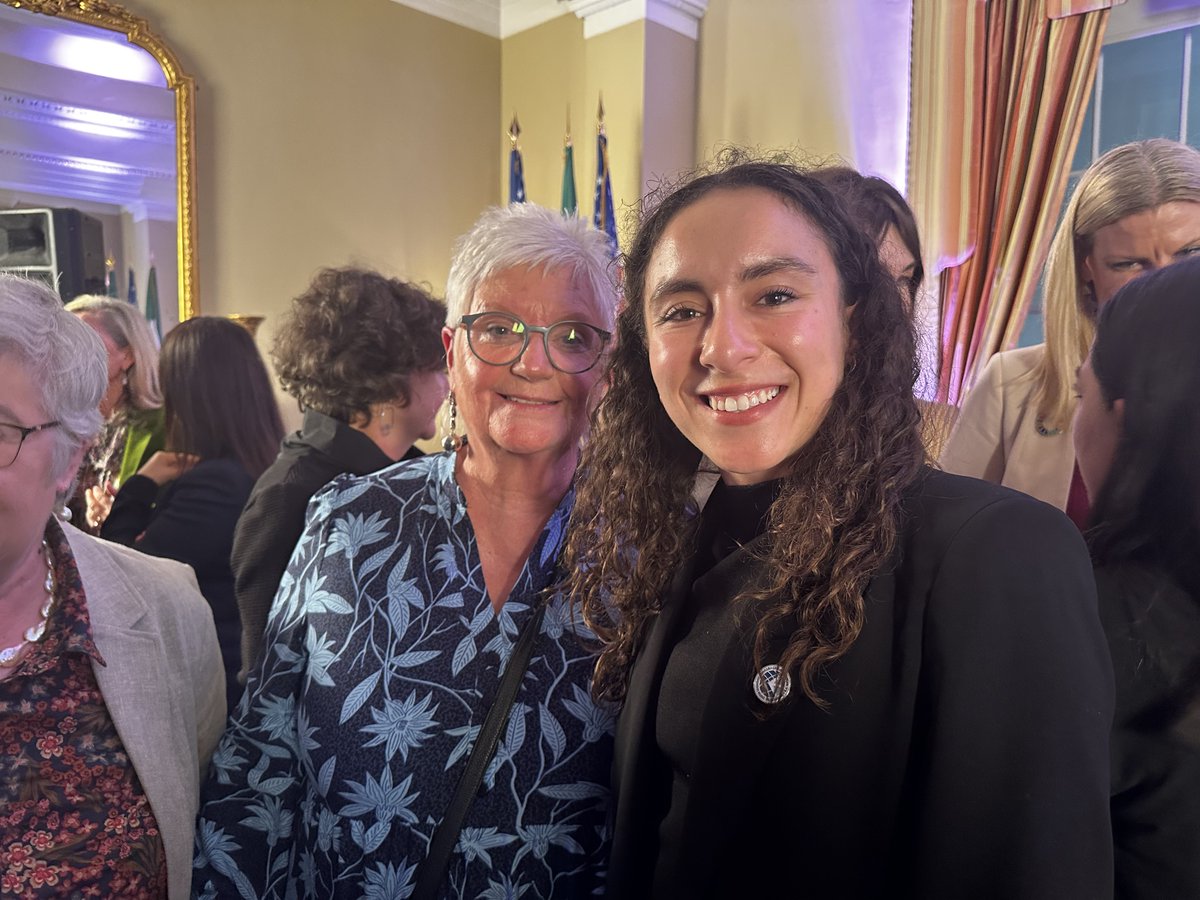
(772,684)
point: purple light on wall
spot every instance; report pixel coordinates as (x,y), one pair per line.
(100,129)
(106,58)
(874,64)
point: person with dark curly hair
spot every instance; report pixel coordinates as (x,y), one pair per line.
(362,354)
(849,675)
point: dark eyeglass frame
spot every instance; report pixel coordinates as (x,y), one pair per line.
(544,330)
(25,431)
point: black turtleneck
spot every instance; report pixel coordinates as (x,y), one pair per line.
(707,633)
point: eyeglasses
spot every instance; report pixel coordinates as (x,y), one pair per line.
(13,436)
(499,339)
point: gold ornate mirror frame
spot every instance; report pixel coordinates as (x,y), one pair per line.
(113,17)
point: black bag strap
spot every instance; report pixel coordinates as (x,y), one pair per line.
(433,868)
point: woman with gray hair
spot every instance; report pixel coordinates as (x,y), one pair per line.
(421,724)
(111,689)
(132,406)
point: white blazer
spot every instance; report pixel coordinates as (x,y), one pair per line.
(163,684)
(996,436)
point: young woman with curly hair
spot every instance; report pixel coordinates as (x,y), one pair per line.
(848,675)
(362,354)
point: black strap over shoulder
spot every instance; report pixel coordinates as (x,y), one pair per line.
(432,870)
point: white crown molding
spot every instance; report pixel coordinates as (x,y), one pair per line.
(101,181)
(478,15)
(40,111)
(600,16)
(521,15)
(504,18)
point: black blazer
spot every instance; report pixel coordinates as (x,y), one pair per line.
(273,519)
(964,753)
(1153,629)
(191,519)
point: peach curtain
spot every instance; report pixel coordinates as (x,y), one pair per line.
(999,95)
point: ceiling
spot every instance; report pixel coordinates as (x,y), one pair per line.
(68,131)
(498,18)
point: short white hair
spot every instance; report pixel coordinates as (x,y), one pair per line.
(64,357)
(527,235)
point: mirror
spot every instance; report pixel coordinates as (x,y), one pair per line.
(97,116)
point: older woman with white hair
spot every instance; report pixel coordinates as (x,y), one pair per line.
(421,724)
(111,689)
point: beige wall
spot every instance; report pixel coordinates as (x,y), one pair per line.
(330,132)
(669,127)
(543,72)
(769,77)
(547,68)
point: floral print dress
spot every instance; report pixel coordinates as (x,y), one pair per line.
(383,655)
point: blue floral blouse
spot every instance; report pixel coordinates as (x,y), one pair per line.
(383,656)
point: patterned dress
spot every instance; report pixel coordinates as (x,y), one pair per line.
(383,656)
(74,819)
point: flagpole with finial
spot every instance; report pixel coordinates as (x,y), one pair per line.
(602,216)
(570,204)
(516,168)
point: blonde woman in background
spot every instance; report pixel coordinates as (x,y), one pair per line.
(131,406)
(1136,209)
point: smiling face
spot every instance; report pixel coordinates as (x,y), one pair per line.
(1140,243)
(526,408)
(746,330)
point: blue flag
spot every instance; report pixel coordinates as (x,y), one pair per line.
(516,168)
(516,177)
(132,289)
(603,217)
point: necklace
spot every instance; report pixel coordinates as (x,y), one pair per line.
(9,656)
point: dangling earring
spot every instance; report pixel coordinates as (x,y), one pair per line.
(63,514)
(385,421)
(453,441)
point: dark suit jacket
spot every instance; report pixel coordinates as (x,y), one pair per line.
(191,519)
(274,516)
(1153,629)
(964,753)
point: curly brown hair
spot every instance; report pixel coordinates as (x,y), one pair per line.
(353,339)
(836,520)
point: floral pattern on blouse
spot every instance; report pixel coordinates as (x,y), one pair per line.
(383,656)
(74,820)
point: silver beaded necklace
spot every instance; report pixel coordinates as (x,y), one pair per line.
(10,656)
